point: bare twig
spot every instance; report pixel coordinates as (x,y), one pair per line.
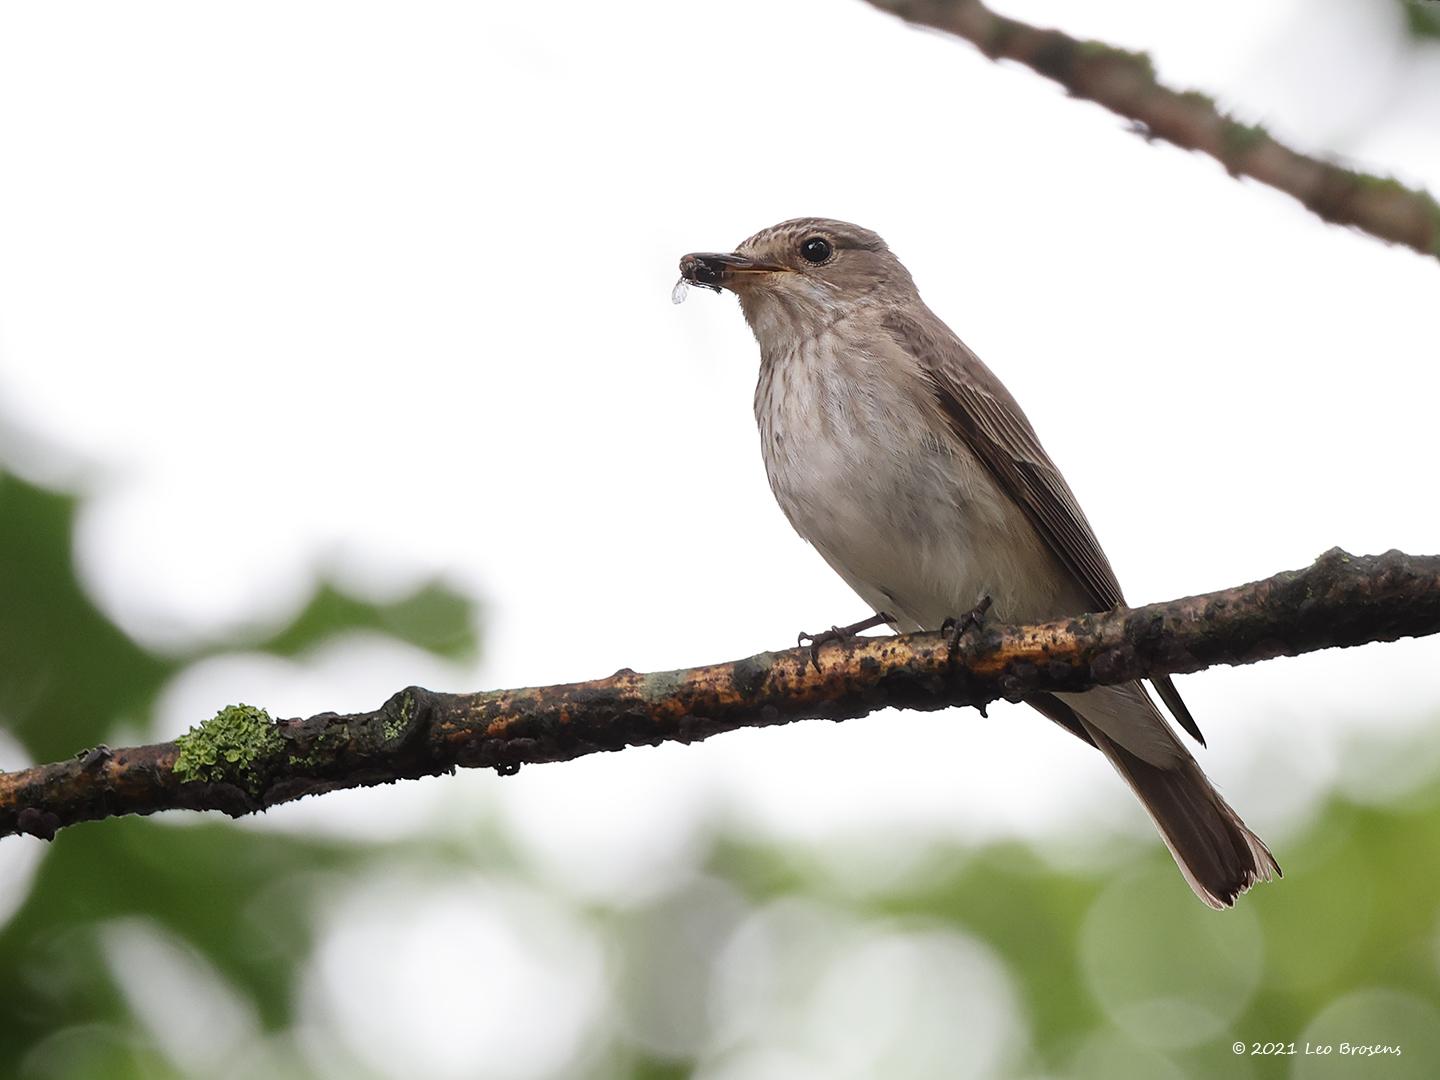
(240,761)
(1125,83)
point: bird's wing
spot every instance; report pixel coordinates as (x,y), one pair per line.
(985,416)
(987,419)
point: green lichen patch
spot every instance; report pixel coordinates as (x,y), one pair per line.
(226,748)
(1199,99)
(1100,51)
(1387,185)
(1240,139)
(396,726)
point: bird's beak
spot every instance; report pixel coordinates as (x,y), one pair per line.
(712,271)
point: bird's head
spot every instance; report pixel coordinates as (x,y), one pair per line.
(803,274)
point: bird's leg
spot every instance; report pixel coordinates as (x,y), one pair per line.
(840,633)
(954,629)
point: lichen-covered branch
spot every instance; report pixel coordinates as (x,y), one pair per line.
(241,761)
(1125,83)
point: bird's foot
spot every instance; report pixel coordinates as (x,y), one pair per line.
(955,628)
(839,633)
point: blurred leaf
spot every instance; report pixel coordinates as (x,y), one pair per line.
(238,897)
(207,884)
(94,1050)
(1422,18)
(69,673)
(434,618)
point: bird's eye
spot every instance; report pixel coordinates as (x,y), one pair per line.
(816,249)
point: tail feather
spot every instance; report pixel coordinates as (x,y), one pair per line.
(1217,853)
(1165,687)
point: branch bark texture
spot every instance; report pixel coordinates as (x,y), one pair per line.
(241,761)
(1125,83)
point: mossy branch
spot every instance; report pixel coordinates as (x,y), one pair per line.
(1125,83)
(241,761)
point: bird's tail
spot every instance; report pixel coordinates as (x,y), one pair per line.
(1216,852)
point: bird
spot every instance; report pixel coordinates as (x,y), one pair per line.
(903,460)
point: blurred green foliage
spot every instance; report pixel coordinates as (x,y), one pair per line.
(1359,908)
(1422,18)
(69,673)
(69,678)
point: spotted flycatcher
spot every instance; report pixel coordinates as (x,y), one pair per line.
(913,472)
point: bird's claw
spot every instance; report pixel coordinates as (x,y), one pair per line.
(954,628)
(838,634)
(835,633)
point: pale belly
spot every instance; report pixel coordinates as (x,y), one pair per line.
(907,516)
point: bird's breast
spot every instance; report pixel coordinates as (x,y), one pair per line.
(865,467)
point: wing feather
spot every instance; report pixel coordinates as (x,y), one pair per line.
(988,420)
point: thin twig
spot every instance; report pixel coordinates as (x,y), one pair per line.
(1125,83)
(240,761)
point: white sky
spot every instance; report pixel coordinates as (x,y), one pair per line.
(385,288)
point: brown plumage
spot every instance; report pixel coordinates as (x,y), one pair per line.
(911,469)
